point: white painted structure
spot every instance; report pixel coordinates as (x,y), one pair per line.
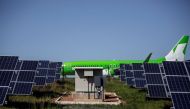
(85,78)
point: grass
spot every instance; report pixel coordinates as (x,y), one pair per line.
(41,98)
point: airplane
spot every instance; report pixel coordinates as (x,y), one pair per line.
(176,54)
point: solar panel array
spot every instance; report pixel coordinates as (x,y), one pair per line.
(7,66)
(42,70)
(133,74)
(58,71)
(178,79)
(17,77)
(167,80)
(23,78)
(154,78)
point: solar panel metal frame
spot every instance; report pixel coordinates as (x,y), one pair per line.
(152,84)
(179,92)
(24,82)
(130,81)
(157,91)
(180,103)
(142,82)
(3,95)
(13,61)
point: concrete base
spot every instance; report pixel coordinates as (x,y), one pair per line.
(82,98)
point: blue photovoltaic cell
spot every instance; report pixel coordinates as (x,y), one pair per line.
(178,84)
(123,78)
(43,64)
(59,64)
(51,72)
(26,76)
(122,66)
(188,66)
(53,65)
(128,67)
(174,68)
(58,70)
(5,77)
(57,77)
(151,68)
(8,62)
(139,74)
(181,100)
(11,87)
(140,83)
(29,65)
(122,72)
(129,74)
(40,80)
(41,72)
(23,88)
(154,79)
(130,81)
(117,72)
(18,65)
(15,74)
(137,66)
(162,69)
(157,91)
(3,93)
(50,79)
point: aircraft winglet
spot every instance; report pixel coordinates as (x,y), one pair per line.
(147,58)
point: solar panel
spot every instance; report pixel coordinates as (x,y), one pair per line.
(154,79)
(137,66)
(178,84)
(129,74)
(157,91)
(59,64)
(123,78)
(181,100)
(15,75)
(29,65)
(117,72)
(26,76)
(41,72)
(3,93)
(43,64)
(53,65)
(58,70)
(162,69)
(23,78)
(8,62)
(7,66)
(151,68)
(18,65)
(122,66)
(130,81)
(40,80)
(23,88)
(122,72)
(174,68)
(50,80)
(5,77)
(11,87)
(139,74)
(51,73)
(140,83)
(57,76)
(128,67)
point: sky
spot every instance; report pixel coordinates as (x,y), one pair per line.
(72,30)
